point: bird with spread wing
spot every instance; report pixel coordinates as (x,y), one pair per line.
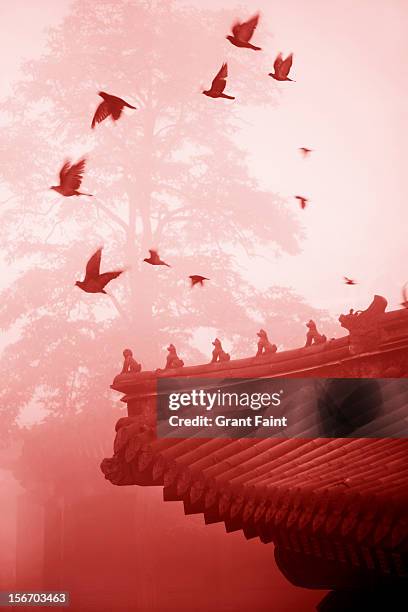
(155,260)
(242,33)
(282,68)
(197,279)
(94,282)
(305,151)
(218,85)
(302,201)
(111,106)
(70,177)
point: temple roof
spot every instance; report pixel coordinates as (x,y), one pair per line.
(316,360)
(341,499)
(352,493)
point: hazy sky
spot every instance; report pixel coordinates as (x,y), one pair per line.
(348,103)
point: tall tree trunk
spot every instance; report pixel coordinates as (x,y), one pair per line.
(143,283)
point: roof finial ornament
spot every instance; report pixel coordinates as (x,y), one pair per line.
(313,336)
(264,346)
(404,302)
(129,363)
(173,360)
(218,353)
(363,326)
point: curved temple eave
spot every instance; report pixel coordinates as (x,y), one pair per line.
(314,497)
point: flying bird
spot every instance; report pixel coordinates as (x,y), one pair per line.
(242,33)
(281,68)
(218,85)
(111,105)
(155,260)
(70,177)
(302,201)
(405,296)
(349,281)
(196,279)
(94,282)
(305,151)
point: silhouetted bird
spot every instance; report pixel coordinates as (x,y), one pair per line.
(94,282)
(302,201)
(349,281)
(242,33)
(281,68)
(155,260)
(197,279)
(70,177)
(111,105)
(218,85)
(405,296)
(305,151)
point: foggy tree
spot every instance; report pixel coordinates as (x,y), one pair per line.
(170,175)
